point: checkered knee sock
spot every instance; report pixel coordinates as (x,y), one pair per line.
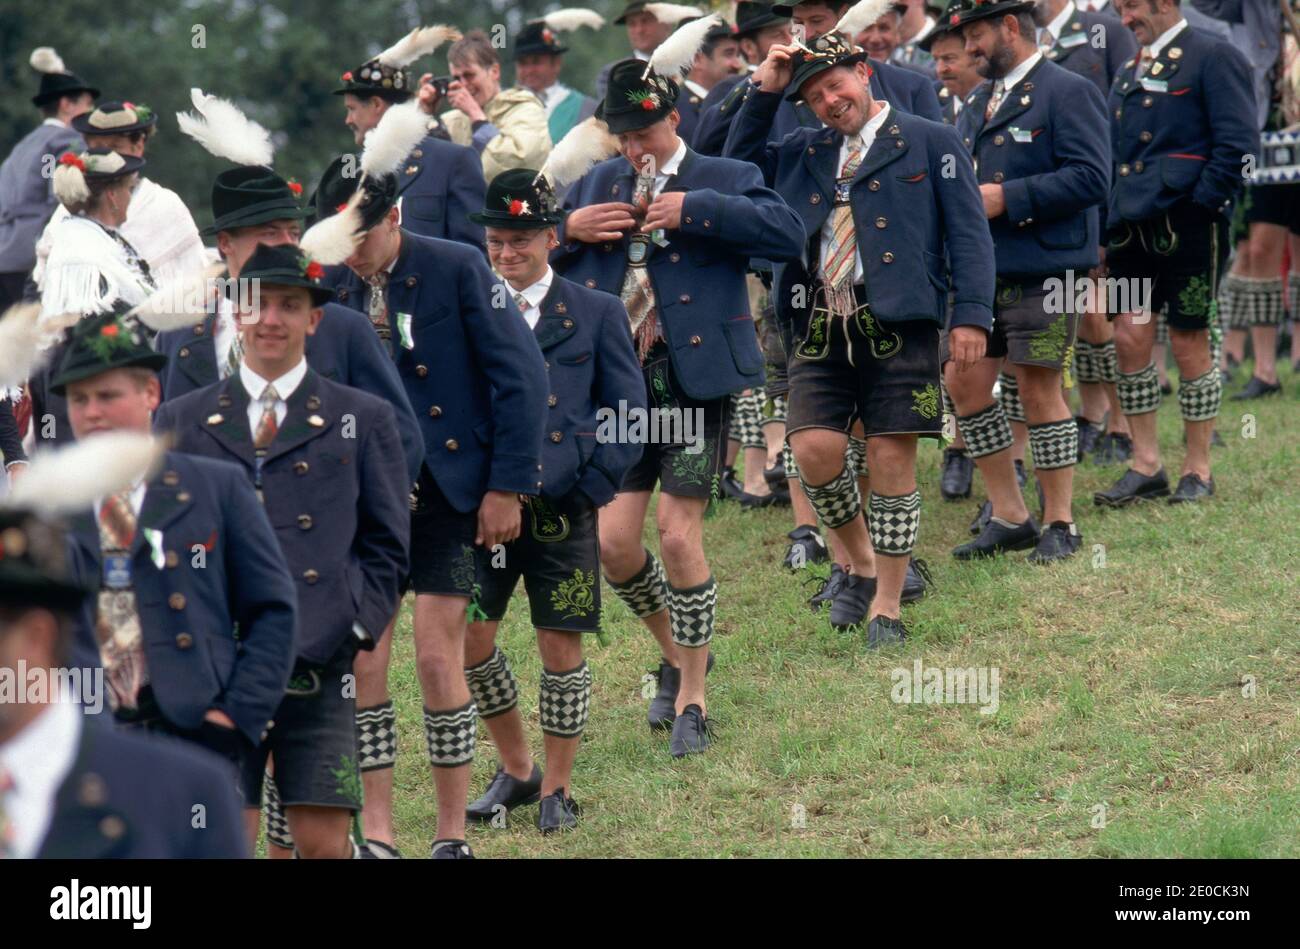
(836,502)
(277,825)
(1232,312)
(1162,326)
(1107,362)
(377,736)
(492,685)
(690,613)
(1261,301)
(1199,398)
(855,455)
(564,701)
(754,421)
(646,593)
(1009,396)
(894,522)
(780,406)
(1139,392)
(451,735)
(987,432)
(1054,444)
(1086,368)
(1293,296)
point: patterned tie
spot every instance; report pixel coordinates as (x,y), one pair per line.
(236,354)
(521,301)
(1145,61)
(995,100)
(6,827)
(839,256)
(1045,40)
(121,643)
(268,426)
(637,293)
(378,307)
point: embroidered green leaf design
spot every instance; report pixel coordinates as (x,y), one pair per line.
(575,597)
(925,402)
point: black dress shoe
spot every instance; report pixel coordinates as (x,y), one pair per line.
(755,502)
(776,474)
(981,520)
(731,486)
(451,850)
(558,812)
(957,472)
(1089,434)
(690,733)
(883,631)
(1112,448)
(849,608)
(505,791)
(1166,388)
(1132,487)
(806,546)
(378,850)
(1059,540)
(1192,488)
(997,538)
(917,580)
(663,707)
(1257,388)
(828,586)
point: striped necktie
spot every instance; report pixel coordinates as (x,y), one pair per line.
(839,256)
(378,308)
(521,301)
(268,426)
(995,100)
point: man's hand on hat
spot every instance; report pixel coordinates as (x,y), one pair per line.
(458,97)
(775,72)
(597,223)
(428,96)
(664,212)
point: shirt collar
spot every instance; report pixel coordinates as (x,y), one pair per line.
(1012,79)
(695,87)
(39,757)
(284,386)
(1165,38)
(671,165)
(536,293)
(1060,20)
(56,123)
(644,57)
(868,133)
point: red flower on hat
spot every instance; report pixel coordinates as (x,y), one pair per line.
(648,105)
(68,158)
(295,187)
(347,76)
(954,19)
(109,330)
(547,36)
(516,207)
(340,208)
(314,271)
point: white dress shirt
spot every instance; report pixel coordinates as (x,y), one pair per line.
(1011,79)
(535,294)
(1059,22)
(862,141)
(696,88)
(39,759)
(553,95)
(284,388)
(669,168)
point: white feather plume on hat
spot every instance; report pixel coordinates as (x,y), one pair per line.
(676,54)
(861,15)
(571,18)
(421,41)
(586,143)
(670,14)
(20,343)
(45,59)
(389,143)
(183,302)
(332,240)
(70,186)
(68,480)
(225,131)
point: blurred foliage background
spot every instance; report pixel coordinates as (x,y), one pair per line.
(278,59)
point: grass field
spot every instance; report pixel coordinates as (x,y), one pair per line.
(1147,702)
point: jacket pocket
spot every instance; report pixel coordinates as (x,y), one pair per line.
(936,268)
(743,343)
(425,207)
(1067,234)
(1179,172)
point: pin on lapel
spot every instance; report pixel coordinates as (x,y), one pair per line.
(313,403)
(216,418)
(315,421)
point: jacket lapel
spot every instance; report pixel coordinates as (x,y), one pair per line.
(555,323)
(822,159)
(164,501)
(888,147)
(83,826)
(227,420)
(200,366)
(306,418)
(1018,100)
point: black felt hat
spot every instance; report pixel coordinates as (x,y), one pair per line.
(339,183)
(285,265)
(115,118)
(946,23)
(828,51)
(56,79)
(753,15)
(102,164)
(968,11)
(537,37)
(102,342)
(519,199)
(34,564)
(632,102)
(252,194)
(373,78)
(632,7)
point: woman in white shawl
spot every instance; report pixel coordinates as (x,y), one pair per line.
(90,263)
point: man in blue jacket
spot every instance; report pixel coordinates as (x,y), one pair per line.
(323,459)
(1038,136)
(671,232)
(193,623)
(478,381)
(1182,122)
(861,317)
(593,371)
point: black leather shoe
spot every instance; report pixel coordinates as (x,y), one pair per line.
(828,586)
(756,502)
(883,631)
(1089,434)
(1192,488)
(957,472)
(1112,448)
(981,520)
(916,582)
(776,474)
(1059,540)
(663,707)
(806,539)
(690,733)
(849,608)
(1257,388)
(731,486)
(1133,487)
(505,791)
(558,812)
(997,538)
(451,850)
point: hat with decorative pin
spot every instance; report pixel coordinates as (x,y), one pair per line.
(386,75)
(634,100)
(76,171)
(56,80)
(113,339)
(968,11)
(519,199)
(543,35)
(944,25)
(340,182)
(115,118)
(284,265)
(754,15)
(825,52)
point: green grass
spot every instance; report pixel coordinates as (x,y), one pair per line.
(1121,694)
